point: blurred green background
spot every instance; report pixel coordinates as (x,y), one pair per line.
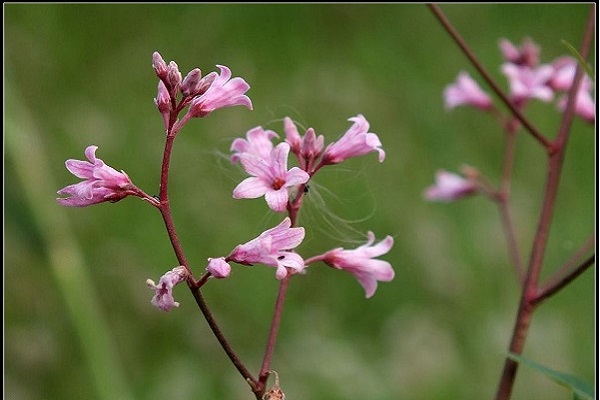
(78,319)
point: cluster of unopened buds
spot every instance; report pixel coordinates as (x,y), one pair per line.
(527,80)
(267,166)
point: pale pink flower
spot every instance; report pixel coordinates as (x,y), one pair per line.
(163,297)
(564,73)
(527,55)
(449,187)
(101,182)
(360,262)
(270,177)
(258,142)
(357,141)
(529,83)
(466,91)
(273,248)
(163,103)
(218,267)
(222,92)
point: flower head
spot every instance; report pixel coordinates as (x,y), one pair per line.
(222,92)
(357,141)
(466,91)
(163,297)
(360,262)
(270,177)
(273,248)
(102,182)
(307,148)
(449,187)
(257,142)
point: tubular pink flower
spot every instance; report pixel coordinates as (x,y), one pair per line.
(163,297)
(218,267)
(270,177)
(273,248)
(257,142)
(449,187)
(360,263)
(102,182)
(466,91)
(357,141)
(222,92)
(528,83)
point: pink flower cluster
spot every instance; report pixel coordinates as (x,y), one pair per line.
(268,164)
(527,79)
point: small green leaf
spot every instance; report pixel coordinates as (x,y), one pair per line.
(586,67)
(581,390)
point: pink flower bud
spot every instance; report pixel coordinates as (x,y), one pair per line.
(173,78)
(191,83)
(159,65)
(218,267)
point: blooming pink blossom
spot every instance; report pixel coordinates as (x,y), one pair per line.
(102,182)
(529,83)
(222,92)
(273,248)
(466,91)
(163,297)
(270,177)
(528,54)
(585,106)
(218,267)
(564,73)
(449,187)
(360,262)
(357,141)
(257,142)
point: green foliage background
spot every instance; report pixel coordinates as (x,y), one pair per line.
(78,319)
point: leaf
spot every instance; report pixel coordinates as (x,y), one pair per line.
(586,67)
(581,390)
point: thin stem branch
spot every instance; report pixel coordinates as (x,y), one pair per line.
(275,323)
(569,271)
(530,288)
(487,77)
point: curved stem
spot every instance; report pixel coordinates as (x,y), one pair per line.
(488,78)
(275,323)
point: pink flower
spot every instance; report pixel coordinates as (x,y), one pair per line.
(257,142)
(449,187)
(102,182)
(527,55)
(528,83)
(273,248)
(270,177)
(163,297)
(218,267)
(221,93)
(466,91)
(357,141)
(360,263)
